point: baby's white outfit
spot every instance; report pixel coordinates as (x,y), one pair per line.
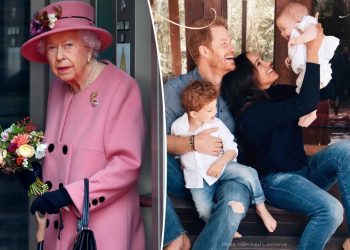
(297,54)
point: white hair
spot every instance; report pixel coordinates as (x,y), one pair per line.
(89,38)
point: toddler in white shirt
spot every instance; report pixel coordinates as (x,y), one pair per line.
(202,171)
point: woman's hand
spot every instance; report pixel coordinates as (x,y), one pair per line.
(306,120)
(51,202)
(28,177)
(313,46)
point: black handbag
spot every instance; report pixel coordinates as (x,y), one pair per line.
(86,239)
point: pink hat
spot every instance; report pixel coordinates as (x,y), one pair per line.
(59,17)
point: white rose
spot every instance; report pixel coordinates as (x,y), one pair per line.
(26,151)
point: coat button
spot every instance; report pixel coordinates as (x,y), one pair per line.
(49,184)
(101,199)
(94,202)
(60,185)
(65,149)
(55,224)
(47,223)
(51,148)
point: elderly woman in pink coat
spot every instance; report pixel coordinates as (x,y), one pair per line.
(94,129)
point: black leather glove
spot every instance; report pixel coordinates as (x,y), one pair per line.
(27,177)
(51,202)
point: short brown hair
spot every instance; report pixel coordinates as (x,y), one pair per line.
(197,95)
(198,37)
(294,10)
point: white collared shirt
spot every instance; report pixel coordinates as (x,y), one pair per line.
(195,165)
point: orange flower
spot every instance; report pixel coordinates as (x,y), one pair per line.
(19,160)
(20,139)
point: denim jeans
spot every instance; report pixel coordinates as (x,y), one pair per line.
(303,191)
(204,197)
(223,223)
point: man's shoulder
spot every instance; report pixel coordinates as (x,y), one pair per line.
(177,84)
(219,122)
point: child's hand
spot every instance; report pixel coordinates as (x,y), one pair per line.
(287,62)
(306,120)
(292,42)
(215,170)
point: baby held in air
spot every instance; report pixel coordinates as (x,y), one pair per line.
(298,28)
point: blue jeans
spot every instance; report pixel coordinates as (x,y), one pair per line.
(223,223)
(303,192)
(204,197)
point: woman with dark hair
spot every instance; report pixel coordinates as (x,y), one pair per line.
(267,118)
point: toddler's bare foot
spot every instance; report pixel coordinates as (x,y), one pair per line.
(180,243)
(346,244)
(269,222)
(237,235)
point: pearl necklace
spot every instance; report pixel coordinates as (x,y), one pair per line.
(91,76)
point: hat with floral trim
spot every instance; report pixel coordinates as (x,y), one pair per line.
(59,17)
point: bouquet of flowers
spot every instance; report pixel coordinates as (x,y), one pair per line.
(20,145)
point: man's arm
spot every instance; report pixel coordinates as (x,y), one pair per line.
(178,145)
(203,143)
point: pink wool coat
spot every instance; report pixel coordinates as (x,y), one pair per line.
(101,142)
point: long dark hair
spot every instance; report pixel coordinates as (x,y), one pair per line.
(239,86)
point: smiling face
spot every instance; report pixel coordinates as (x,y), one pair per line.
(68,57)
(220,51)
(206,113)
(264,72)
(285,25)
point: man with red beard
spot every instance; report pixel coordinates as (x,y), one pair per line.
(213,53)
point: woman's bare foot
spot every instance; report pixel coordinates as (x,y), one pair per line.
(237,235)
(269,222)
(346,244)
(180,243)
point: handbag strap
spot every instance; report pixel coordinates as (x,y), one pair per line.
(85,218)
